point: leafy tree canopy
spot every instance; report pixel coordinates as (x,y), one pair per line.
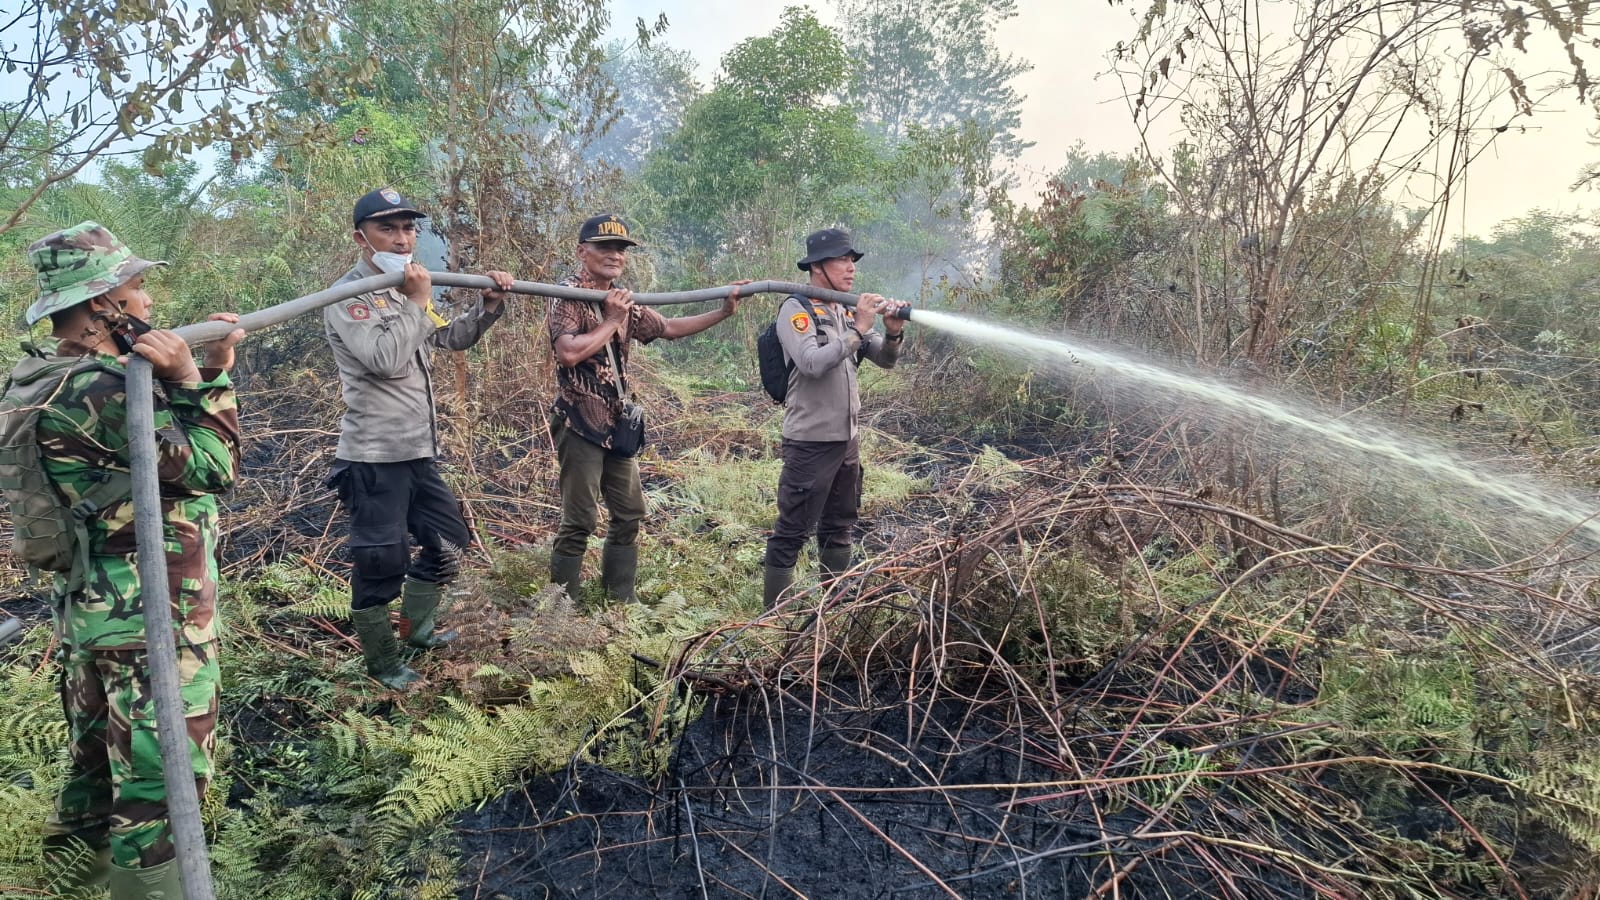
(774,123)
(935,64)
(161,78)
(653,86)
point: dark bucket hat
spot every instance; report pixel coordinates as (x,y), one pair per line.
(829,243)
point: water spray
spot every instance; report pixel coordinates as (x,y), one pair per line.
(1373,443)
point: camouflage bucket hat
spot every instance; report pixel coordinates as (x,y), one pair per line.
(77,263)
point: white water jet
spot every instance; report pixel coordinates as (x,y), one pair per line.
(1368,442)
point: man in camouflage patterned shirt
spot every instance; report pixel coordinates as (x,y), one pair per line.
(110,823)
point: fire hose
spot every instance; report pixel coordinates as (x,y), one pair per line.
(183,802)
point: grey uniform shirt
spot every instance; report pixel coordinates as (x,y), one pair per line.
(381,342)
(824,403)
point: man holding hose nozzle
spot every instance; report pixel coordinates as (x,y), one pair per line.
(593,394)
(66,446)
(820,487)
(384,470)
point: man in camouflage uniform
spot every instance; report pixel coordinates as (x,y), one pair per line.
(110,822)
(589,400)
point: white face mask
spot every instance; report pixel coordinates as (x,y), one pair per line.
(384,261)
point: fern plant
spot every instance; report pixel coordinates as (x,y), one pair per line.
(33,739)
(308,592)
(1565,789)
(1419,702)
(610,709)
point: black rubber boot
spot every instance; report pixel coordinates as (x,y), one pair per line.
(160,882)
(380,649)
(567,571)
(619,568)
(419,610)
(834,561)
(776,582)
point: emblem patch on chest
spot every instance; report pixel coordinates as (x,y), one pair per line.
(800,322)
(358,311)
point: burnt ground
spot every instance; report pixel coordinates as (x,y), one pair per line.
(779,795)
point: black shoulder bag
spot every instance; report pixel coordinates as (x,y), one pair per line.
(627,435)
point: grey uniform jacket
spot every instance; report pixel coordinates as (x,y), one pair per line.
(824,403)
(381,343)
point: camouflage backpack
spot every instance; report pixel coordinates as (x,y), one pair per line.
(46,533)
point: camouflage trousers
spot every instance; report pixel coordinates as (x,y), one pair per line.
(115,794)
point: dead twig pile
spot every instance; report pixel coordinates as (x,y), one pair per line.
(1071,685)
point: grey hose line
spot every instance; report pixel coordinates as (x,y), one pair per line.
(183,802)
(204,332)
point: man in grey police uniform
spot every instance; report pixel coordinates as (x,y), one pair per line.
(820,487)
(384,470)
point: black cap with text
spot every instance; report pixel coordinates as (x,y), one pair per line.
(605,227)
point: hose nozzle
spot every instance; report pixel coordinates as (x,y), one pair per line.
(901,312)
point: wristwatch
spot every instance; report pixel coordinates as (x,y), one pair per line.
(896,337)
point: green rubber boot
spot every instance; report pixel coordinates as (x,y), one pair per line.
(619,569)
(835,561)
(419,610)
(567,571)
(381,650)
(162,882)
(776,582)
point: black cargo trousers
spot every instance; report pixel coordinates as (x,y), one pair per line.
(819,490)
(385,502)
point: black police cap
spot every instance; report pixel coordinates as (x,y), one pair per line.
(384,202)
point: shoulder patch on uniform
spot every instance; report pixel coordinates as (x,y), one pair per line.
(800,322)
(358,310)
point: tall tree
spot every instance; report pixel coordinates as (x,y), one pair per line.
(931,78)
(503,96)
(769,145)
(1281,102)
(934,64)
(653,86)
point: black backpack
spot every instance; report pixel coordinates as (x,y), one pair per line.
(775,367)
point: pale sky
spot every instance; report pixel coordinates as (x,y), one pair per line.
(1069,98)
